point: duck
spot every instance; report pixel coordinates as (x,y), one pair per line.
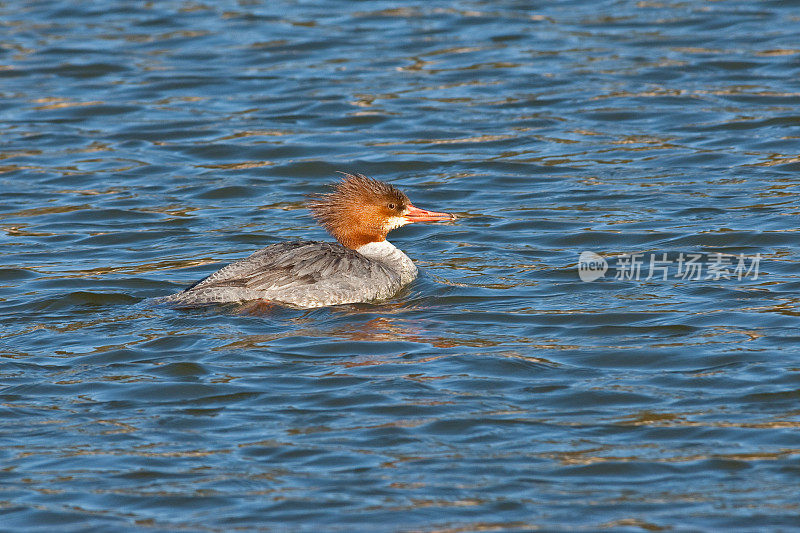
(359,266)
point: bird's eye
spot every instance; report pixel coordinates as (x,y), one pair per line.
(392,206)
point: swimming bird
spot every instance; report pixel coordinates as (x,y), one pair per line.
(361,266)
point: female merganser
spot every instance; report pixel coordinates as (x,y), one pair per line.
(361,267)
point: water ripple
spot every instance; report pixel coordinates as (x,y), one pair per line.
(145,145)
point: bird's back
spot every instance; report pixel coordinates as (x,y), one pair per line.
(297,273)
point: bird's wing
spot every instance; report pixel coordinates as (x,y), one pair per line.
(292,263)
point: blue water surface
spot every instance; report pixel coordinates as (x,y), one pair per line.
(143,145)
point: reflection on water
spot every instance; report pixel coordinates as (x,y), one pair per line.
(144,146)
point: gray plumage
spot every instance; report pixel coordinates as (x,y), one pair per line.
(305,274)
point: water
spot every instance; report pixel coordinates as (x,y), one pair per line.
(144,145)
